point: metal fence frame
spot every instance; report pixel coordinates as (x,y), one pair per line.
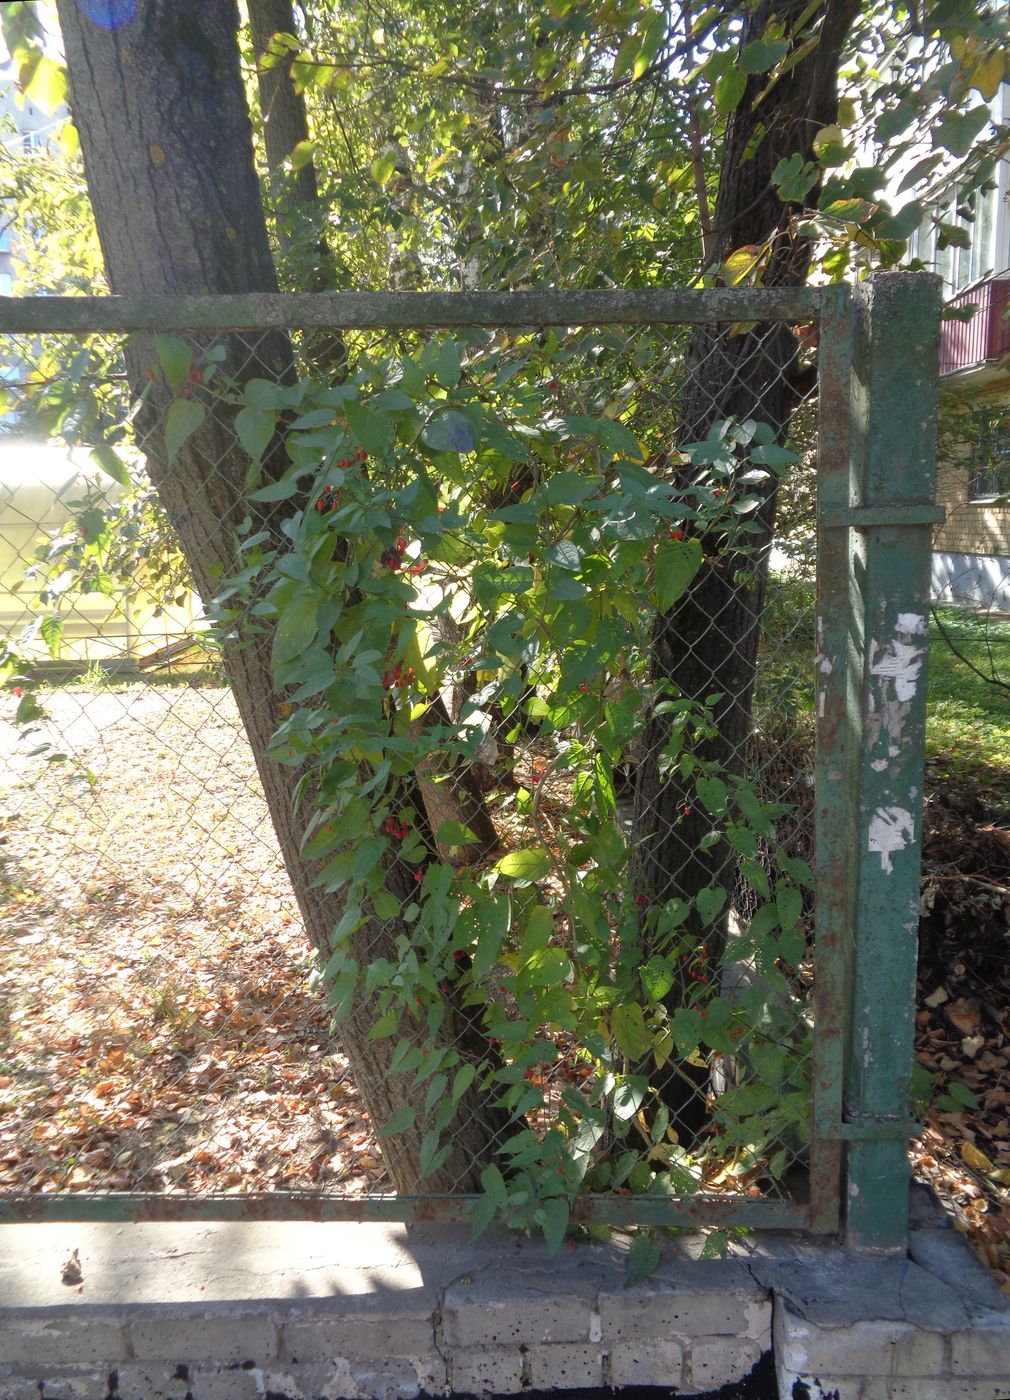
(877,369)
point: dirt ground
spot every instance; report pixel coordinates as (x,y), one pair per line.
(159,1030)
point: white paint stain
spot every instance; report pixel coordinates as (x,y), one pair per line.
(879,764)
(891,829)
(896,666)
(900,663)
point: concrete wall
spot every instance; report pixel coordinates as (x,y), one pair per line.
(980,581)
(318,1312)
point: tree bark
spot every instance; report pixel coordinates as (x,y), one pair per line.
(707,644)
(167,146)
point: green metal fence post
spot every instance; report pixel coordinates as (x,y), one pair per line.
(892,463)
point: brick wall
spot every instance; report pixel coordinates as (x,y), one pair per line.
(971,527)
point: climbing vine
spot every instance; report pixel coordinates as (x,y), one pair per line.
(472,560)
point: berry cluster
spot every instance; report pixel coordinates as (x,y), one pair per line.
(328,500)
(399,831)
(393,559)
(194,376)
(399,677)
(360,455)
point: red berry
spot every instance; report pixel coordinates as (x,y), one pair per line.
(641,900)
(676,534)
(18,691)
(418,876)
(553,384)
(150,374)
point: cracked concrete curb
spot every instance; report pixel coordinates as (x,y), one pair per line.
(382,1312)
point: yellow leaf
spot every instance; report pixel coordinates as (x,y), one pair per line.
(847,111)
(158,156)
(828,136)
(989,73)
(741,264)
(973,1157)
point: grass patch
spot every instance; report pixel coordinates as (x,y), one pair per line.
(968,714)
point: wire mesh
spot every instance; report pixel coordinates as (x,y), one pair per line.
(163,1033)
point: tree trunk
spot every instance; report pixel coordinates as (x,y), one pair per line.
(707,645)
(167,147)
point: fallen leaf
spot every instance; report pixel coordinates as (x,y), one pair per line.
(975,1158)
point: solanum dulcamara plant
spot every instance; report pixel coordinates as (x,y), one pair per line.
(472,530)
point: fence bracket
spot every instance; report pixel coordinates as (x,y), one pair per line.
(872,517)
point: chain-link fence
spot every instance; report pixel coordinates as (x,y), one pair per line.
(415,791)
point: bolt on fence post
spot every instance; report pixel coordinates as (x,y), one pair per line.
(892,466)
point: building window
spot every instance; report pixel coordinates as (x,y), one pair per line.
(990,454)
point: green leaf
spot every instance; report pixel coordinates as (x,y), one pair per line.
(52,631)
(494,1185)
(957,131)
(892,123)
(452,833)
(962,1095)
(760,56)
(711,794)
(553,1216)
(677,562)
(644,1257)
(526,866)
(789,902)
(629,1096)
(433,1156)
(794,179)
(386,905)
(494,920)
(568,489)
(108,459)
(715,1246)
(464,1077)
(296,627)
(183,419)
(373,429)
(657,977)
(902,224)
(383,167)
(303,154)
(547,967)
(710,902)
(483,1214)
(255,428)
(268,394)
(448,431)
(729,90)
(565,554)
(447,365)
(398,1122)
(176,356)
(630,1031)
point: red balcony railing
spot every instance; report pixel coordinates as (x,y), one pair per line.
(983,338)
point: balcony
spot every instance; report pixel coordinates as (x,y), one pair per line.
(983,339)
